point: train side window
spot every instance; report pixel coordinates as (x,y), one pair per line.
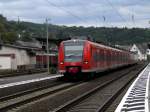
(109,56)
(112,56)
(94,56)
(107,59)
(105,55)
(102,55)
(99,55)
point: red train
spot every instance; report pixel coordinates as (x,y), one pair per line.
(83,56)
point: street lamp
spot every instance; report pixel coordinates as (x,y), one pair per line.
(47,45)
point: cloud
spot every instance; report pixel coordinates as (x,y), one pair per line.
(78,12)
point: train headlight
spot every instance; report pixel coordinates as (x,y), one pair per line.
(61,63)
(86,62)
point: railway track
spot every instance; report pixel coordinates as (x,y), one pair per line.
(61,97)
(21,93)
(24,97)
(99,98)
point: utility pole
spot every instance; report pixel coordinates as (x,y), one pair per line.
(133,20)
(0,38)
(19,32)
(104,19)
(47,40)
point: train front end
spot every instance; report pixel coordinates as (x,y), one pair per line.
(73,57)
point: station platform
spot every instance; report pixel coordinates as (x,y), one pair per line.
(27,78)
(136,98)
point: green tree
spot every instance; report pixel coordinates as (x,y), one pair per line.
(2,28)
(9,37)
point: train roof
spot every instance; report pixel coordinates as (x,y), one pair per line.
(74,40)
(97,44)
(106,46)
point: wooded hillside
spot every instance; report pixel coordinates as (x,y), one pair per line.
(10,31)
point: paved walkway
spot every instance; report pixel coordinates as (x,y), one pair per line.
(20,78)
(137,97)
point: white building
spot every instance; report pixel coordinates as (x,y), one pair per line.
(16,57)
(140,50)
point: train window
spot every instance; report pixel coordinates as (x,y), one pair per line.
(112,56)
(73,53)
(95,56)
(72,48)
(103,55)
(100,55)
(108,56)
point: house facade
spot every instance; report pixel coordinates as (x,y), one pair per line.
(16,57)
(140,51)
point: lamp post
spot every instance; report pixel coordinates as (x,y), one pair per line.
(47,41)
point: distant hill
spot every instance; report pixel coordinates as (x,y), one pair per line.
(10,31)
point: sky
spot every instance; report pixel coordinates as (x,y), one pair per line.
(98,13)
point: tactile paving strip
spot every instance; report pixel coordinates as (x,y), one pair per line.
(136,98)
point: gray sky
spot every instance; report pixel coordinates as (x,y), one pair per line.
(80,12)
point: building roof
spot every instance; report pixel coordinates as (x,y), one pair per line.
(20,47)
(34,44)
(52,40)
(142,47)
(125,47)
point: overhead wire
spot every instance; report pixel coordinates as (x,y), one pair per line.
(85,9)
(97,17)
(83,20)
(67,11)
(121,17)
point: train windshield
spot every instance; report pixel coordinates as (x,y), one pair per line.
(73,51)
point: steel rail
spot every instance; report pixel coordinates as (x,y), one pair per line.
(75,101)
(12,103)
(21,93)
(108,102)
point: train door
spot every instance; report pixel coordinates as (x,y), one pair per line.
(93,62)
(97,58)
(105,59)
(117,58)
(102,59)
(120,58)
(109,58)
(112,59)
